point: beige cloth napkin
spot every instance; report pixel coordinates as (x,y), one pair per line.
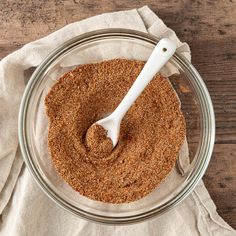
(24,208)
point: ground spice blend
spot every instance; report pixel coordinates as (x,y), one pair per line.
(151,134)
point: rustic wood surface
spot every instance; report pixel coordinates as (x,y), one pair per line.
(209,26)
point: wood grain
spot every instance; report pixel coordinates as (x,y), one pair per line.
(208,26)
(220,181)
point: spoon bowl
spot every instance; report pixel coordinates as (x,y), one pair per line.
(112,126)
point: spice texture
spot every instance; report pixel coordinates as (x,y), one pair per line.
(97,142)
(151,132)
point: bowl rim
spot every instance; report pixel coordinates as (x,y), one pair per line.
(194,177)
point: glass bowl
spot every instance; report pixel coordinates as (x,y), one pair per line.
(195,102)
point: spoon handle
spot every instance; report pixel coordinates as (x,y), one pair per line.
(163,51)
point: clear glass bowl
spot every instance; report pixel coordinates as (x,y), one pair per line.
(103,45)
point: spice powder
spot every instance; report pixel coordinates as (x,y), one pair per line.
(151,133)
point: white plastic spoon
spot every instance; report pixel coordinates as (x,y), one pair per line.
(163,51)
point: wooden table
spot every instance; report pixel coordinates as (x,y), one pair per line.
(208,26)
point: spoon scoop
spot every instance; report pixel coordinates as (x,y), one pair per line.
(163,51)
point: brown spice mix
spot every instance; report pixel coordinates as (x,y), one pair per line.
(151,134)
(97,142)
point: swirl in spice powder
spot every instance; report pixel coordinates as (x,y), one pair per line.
(151,133)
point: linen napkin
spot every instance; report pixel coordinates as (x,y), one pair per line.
(24,208)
